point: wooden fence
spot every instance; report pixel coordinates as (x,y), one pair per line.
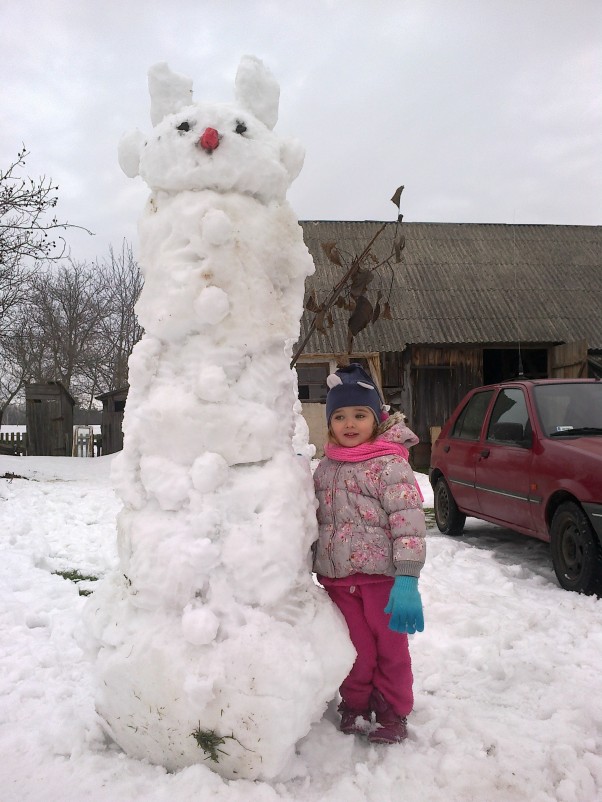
(13,443)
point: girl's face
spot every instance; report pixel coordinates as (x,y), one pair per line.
(352,426)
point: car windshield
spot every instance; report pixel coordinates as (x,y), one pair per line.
(569,409)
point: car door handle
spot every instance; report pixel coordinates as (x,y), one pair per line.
(446,449)
(485,453)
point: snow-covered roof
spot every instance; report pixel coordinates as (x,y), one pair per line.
(467,283)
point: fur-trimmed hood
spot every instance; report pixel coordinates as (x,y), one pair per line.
(395,430)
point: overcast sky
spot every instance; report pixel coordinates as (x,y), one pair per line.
(486,110)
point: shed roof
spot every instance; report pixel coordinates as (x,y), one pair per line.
(47,389)
(113,393)
(468,283)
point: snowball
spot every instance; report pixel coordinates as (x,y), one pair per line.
(216,227)
(212,383)
(142,363)
(212,306)
(208,472)
(168,482)
(199,625)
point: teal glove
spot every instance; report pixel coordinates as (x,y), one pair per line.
(405,606)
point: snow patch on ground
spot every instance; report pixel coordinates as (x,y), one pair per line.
(507,671)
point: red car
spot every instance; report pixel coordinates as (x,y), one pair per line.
(527,455)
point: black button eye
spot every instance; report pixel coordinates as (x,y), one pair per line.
(240,127)
(183,126)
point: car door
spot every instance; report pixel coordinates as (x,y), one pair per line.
(503,465)
(462,450)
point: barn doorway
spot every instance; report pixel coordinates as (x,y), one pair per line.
(502,364)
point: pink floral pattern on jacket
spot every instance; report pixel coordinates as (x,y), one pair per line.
(370,516)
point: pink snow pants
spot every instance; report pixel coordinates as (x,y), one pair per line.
(383,656)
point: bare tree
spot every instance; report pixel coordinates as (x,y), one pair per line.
(10,386)
(27,235)
(122,282)
(77,326)
(14,287)
(351,291)
(25,230)
(65,315)
(60,320)
(15,366)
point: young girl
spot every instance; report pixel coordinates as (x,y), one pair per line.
(370,549)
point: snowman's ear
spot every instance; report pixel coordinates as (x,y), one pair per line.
(169,92)
(292,155)
(128,152)
(257,90)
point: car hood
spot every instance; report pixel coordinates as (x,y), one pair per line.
(581,445)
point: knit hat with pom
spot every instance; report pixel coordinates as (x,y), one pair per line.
(352,387)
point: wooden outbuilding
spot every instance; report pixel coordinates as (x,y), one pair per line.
(471,304)
(113,407)
(49,411)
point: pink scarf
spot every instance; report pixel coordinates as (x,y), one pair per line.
(377,448)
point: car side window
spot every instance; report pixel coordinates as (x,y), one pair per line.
(509,422)
(470,421)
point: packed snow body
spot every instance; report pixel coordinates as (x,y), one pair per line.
(212,622)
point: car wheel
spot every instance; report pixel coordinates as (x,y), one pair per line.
(448,517)
(576,551)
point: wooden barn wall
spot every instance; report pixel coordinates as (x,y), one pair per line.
(396,385)
(427,382)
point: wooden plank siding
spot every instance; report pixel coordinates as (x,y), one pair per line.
(49,410)
(440,377)
(113,409)
(569,361)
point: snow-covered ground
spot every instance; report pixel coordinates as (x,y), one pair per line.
(507,671)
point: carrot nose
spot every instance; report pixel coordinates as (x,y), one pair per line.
(209,140)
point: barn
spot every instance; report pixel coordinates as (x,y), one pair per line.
(470,304)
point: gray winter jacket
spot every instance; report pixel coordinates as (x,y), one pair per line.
(370,517)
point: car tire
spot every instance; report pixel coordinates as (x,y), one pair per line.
(449,519)
(576,551)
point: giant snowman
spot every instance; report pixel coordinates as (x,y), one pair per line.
(213,642)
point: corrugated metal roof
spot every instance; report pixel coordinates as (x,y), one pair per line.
(468,283)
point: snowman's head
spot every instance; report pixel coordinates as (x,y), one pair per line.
(227,147)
